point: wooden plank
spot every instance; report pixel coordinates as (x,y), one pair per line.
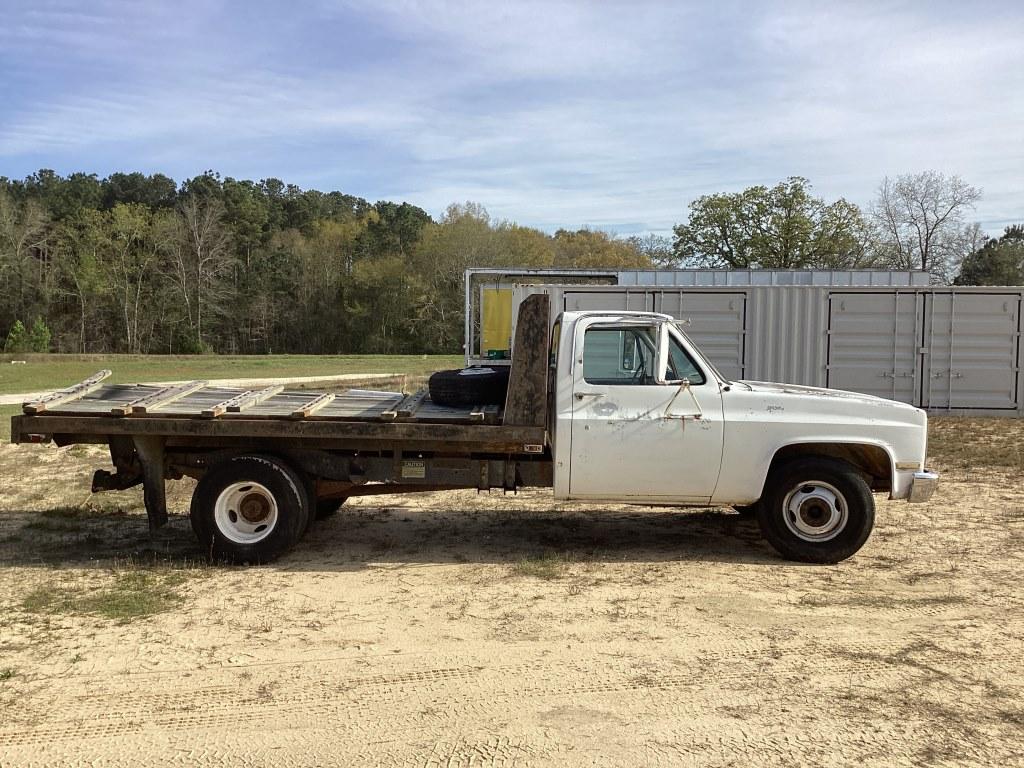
(240,401)
(410,407)
(412,435)
(526,404)
(221,408)
(154,400)
(314,405)
(406,408)
(252,398)
(61,396)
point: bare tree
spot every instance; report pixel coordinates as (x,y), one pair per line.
(200,258)
(919,220)
(657,248)
(80,247)
(24,229)
(131,262)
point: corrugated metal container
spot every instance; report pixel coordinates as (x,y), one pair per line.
(938,347)
(787,332)
(488,289)
(751,277)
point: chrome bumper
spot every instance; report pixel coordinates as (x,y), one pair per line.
(923,486)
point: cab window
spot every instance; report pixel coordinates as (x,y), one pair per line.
(619,355)
(681,365)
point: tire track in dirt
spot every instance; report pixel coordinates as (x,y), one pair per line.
(324,690)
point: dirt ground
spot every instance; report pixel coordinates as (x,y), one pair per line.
(456,629)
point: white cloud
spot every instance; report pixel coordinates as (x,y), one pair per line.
(556,114)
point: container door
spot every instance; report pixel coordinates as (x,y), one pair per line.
(874,342)
(971,350)
(714,321)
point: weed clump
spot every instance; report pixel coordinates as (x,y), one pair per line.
(134,594)
(547,565)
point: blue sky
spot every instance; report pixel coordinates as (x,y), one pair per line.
(605,114)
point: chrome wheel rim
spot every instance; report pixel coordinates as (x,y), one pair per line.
(245,513)
(815,511)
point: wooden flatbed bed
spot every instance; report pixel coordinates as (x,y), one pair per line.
(348,419)
(335,445)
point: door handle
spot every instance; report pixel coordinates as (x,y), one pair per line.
(581,395)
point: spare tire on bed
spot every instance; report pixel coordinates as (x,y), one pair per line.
(470,386)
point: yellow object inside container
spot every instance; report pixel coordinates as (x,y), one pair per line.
(496,331)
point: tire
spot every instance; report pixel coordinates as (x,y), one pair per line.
(748,511)
(816,510)
(276,503)
(470,386)
(328,507)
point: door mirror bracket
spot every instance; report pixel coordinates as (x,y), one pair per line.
(694,412)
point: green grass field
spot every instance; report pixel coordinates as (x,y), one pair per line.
(46,372)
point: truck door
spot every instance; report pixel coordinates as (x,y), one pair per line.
(635,438)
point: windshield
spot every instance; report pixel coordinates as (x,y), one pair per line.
(703,358)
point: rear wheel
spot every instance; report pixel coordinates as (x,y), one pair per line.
(817,510)
(249,509)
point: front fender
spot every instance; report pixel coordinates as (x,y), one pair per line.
(745,469)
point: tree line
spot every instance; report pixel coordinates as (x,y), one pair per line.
(138,263)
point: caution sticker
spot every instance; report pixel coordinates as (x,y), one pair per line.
(415,470)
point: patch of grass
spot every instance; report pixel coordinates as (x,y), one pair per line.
(969,442)
(6,674)
(44,372)
(56,525)
(84,512)
(548,565)
(133,594)
(47,599)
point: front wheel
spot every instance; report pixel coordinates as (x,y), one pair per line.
(748,511)
(249,509)
(817,510)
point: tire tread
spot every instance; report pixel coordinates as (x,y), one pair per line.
(847,479)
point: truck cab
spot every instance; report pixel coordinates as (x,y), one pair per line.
(640,415)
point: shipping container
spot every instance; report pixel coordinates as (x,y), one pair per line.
(947,349)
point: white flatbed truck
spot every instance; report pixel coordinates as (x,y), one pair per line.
(611,406)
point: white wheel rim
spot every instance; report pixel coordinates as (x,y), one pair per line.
(815,511)
(245,513)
